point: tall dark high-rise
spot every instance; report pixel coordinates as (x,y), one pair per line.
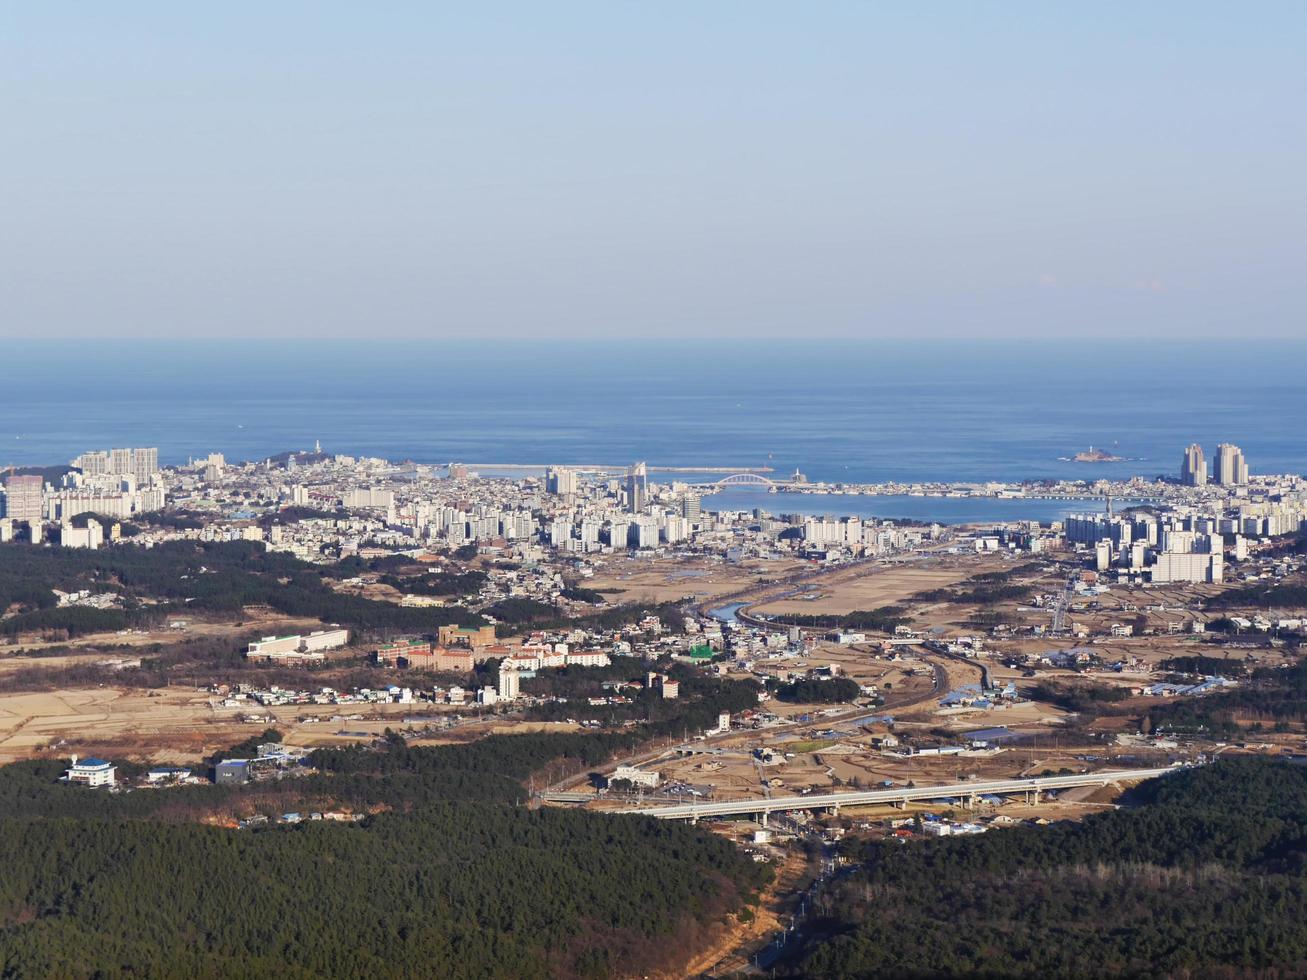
(1193,471)
(637,488)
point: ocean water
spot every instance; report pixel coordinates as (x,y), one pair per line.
(941,510)
(837,410)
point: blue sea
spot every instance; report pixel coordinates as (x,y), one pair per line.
(837,410)
(940,510)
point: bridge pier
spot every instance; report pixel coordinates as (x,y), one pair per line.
(762,818)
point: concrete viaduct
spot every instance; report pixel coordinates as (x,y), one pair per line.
(970,792)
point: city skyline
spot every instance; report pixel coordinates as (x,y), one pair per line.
(615,490)
(585,171)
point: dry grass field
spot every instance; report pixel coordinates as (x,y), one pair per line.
(670,579)
(167,725)
(180,725)
(868,587)
(255,622)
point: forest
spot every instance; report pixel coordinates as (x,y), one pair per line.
(1078,697)
(447,877)
(1204,874)
(881,620)
(835,690)
(438,583)
(702,698)
(1273,695)
(210,577)
(1285,595)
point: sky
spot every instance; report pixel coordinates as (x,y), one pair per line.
(681,171)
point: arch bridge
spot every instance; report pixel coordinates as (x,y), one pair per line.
(745,480)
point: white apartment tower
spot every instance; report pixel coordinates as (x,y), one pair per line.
(24,498)
(1231,467)
(139,463)
(560,480)
(509,683)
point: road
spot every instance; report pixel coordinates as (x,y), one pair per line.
(559,791)
(903,794)
(755,594)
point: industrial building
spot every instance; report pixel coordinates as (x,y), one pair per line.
(296,647)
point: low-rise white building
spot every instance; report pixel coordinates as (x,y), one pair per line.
(91,536)
(297,647)
(635,776)
(91,772)
(588,658)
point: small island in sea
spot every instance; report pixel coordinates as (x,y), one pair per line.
(1093,455)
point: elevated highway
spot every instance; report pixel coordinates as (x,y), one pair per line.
(969,791)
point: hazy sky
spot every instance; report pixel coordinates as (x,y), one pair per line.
(686,170)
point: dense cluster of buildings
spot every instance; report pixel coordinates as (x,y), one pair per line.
(369,507)
(536,653)
(573,513)
(113,484)
(1231,469)
(1189,533)
(1190,541)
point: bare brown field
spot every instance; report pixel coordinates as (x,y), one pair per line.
(168,725)
(669,579)
(179,725)
(261,622)
(869,587)
(858,662)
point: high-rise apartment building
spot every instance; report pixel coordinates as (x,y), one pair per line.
(23,498)
(644,530)
(560,480)
(637,488)
(139,463)
(93,464)
(145,463)
(1231,467)
(675,528)
(560,532)
(619,534)
(1193,471)
(510,683)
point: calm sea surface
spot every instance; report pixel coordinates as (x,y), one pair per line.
(942,510)
(836,410)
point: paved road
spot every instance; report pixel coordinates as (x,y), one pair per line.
(898,702)
(939,686)
(903,794)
